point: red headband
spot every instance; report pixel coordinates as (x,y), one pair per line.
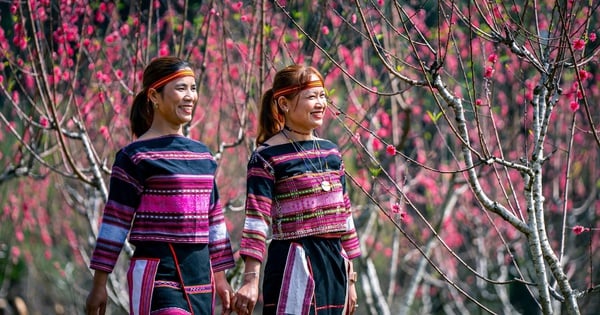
(288,90)
(172,76)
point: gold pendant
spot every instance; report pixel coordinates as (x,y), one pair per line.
(326,185)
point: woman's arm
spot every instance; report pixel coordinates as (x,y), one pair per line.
(246,297)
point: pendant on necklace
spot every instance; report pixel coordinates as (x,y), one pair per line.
(326,185)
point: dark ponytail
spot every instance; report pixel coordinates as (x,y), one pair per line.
(270,120)
(141,115)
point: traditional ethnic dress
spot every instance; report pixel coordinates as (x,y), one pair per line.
(296,191)
(163,195)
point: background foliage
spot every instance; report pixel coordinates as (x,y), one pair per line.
(468,129)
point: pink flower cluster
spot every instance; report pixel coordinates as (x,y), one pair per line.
(489,69)
(578,229)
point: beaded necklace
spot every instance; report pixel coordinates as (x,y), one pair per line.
(325,183)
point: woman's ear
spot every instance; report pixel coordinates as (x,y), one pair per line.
(152,95)
(283,104)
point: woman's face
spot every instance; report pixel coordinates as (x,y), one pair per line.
(177,101)
(307,109)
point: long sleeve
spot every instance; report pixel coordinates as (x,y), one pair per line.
(350,241)
(259,198)
(221,255)
(123,199)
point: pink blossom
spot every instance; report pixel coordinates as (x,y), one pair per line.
(574,105)
(405,218)
(578,44)
(124,30)
(325,30)
(377,144)
(396,208)
(19,235)
(164,51)
(110,39)
(44,122)
(493,58)
(390,150)
(237,6)
(353,19)
(488,72)
(592,37)
(15,252)
(578,229)
(584,74)
(478,102)
(99,17)
(387,252)
(104,132)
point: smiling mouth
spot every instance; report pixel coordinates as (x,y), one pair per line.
(187,108)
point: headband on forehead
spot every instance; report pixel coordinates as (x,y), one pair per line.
(172,76)
(296,88)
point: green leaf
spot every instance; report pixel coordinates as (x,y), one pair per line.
(434,117)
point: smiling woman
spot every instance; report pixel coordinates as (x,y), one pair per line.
(164,177)
(173,107)
(296,192)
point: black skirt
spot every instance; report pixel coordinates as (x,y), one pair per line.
(158,274)
(305,276)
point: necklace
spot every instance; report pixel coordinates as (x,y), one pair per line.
(325,184)
(295,131)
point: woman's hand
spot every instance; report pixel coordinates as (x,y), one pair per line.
(95,304)
(245,298)
(224,291)
(352,297)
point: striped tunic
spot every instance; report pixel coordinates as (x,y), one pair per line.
(163,190)
(296,190)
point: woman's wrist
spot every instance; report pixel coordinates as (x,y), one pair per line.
(352,277)
(250,276)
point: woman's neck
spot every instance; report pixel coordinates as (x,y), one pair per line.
(297,135)
(157,130)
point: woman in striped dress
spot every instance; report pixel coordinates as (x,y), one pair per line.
(296,195)
(163,197)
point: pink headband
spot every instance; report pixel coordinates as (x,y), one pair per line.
(288,90)
(172,76)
